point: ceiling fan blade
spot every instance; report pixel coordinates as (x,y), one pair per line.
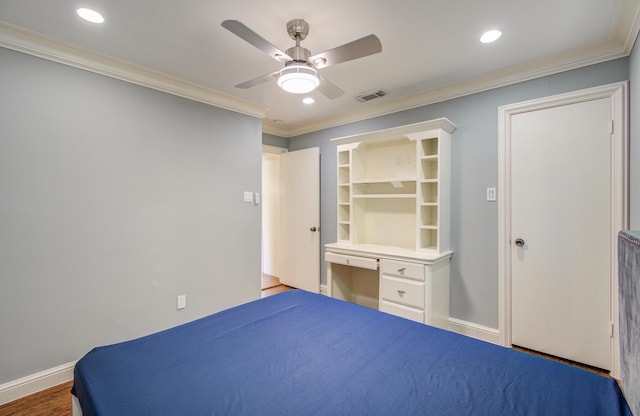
(328,88)
(258,80)
(360,48)
(243,32)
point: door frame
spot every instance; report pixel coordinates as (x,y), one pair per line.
(619,199)
(277,152)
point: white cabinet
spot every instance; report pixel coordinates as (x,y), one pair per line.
(394,187)
(393,192)
(414,288)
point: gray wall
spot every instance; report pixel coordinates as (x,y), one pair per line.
(474,277)
(114,200)
(634,145)
(273,140)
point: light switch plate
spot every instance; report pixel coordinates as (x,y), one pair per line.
(181,302)
(491,194)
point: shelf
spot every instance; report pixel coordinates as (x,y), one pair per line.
(394,187)
(429,215)
(384,187)
(429,157)
(429,193)
(383,180)
(428,238)
(343,158)
(429,147)
(383,159)
(384,196)
(428,227)
(429,168)
(344,231)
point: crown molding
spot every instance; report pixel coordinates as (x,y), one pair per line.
(627,24)
(621,41)
(623,36)
(32,43)
(275,129)
(501,78)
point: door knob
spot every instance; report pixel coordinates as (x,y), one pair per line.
(314,229)
(519,242)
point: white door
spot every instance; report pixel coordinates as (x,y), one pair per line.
(301,219)
(561,231)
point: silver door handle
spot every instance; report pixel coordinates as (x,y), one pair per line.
(519,242)
(314,229)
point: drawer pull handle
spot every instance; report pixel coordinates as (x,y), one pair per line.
(347,261)
(401,271)
(401,293)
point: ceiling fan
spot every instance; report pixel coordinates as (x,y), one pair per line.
(300,74)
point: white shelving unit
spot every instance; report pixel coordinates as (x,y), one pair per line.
(393,206)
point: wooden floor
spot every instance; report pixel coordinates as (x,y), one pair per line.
(55,401)
(271,285)
(596,370)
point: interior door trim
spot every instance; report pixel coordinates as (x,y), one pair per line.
(618,92)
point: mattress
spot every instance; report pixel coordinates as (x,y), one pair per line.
(298,353)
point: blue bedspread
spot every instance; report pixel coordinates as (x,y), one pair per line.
(298,353)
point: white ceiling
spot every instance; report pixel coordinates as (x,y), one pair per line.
(430,48)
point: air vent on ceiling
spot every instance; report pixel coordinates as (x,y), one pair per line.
(370,95)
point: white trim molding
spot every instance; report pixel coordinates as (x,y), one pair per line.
(618,92)
(16,389)
(266,148)
(620,43)
(470,329)
(32,43)
(519,73)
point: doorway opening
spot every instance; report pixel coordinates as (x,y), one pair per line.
(271,219)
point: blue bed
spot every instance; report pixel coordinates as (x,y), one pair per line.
(299,353)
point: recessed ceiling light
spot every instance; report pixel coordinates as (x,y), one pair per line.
(308,100)
(490,36)
(90,15)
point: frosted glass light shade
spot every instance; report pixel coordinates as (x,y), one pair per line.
(298,79)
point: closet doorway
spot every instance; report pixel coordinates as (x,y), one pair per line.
(563,200)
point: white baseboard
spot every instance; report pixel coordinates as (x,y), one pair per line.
(323,289)
(481,332)
(16,389)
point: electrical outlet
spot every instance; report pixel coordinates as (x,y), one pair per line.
(248,197)
(181,303)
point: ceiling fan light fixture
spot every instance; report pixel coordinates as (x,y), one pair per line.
(298,79)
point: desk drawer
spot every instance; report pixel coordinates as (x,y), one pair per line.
(404,291)
(402,311)
(354,261)
(403,269)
